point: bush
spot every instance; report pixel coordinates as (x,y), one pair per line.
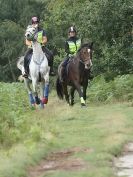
(119,89)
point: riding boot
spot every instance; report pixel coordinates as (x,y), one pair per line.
(24,73)
(50,58)
(52,73)
(26,63)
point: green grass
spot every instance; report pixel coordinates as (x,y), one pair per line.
(30,135)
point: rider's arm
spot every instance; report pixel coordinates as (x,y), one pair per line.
(44,40)
(67,48)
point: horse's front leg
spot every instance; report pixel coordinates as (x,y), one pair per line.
(34,84)
(78,87)
(42,87)
(45,89)
(72,90)
(31,99)
(84,89)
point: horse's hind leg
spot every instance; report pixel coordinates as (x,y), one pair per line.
(66,93)
(72,90)
(42,84)
(34,83)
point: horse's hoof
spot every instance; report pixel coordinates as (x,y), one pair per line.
(71,104)
(83,105)
(37,100)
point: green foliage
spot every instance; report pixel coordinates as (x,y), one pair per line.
(124,88)
(119,89)
(14,125)
(14,17)
(11,47)
(107,23)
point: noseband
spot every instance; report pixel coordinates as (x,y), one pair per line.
(30,33)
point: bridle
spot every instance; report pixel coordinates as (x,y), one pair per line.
(85,61)
(30,35)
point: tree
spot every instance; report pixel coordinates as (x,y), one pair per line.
(11,47)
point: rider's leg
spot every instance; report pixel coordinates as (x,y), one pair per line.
(50,58)
(26,61)
(64,64)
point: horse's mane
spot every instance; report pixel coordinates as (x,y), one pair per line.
(88,45)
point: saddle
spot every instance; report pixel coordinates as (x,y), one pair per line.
(28,59)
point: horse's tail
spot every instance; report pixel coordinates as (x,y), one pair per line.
(59,88)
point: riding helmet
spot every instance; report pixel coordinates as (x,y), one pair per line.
(72,29)
(35,20)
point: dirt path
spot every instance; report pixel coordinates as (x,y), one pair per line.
(124,164)
(62,160)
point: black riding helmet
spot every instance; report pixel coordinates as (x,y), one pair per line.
(72,29)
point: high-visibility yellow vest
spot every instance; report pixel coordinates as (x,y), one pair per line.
(40,36)
(73,47)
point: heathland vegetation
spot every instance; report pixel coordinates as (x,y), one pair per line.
(27,136)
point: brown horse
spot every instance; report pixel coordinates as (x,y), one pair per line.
(77,75)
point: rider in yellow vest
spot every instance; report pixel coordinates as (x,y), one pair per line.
(72,44)
(42,38)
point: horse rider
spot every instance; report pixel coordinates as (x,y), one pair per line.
(72,45)
(42,38)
